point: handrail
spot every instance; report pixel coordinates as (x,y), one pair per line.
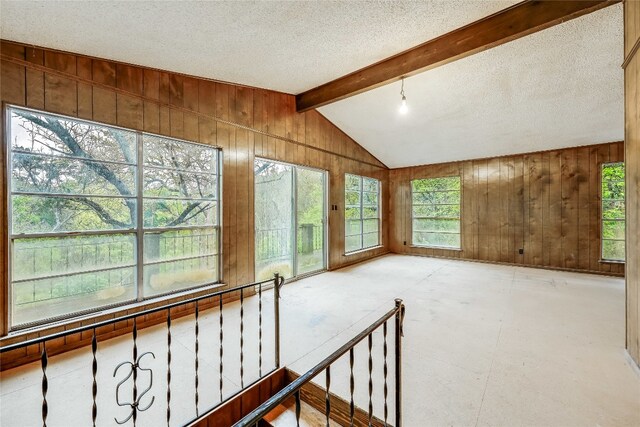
(91,326)
(132,367)
(261,411)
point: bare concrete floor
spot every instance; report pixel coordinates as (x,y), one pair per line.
(484,345)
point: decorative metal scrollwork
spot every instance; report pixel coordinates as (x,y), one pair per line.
(133,371)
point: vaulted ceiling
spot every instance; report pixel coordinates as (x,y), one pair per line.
(559,87)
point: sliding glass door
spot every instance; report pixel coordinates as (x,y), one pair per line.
(290,218)
(310,215)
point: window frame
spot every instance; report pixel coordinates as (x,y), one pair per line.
(604,259)
(137,231)
(459,219)
(361,192)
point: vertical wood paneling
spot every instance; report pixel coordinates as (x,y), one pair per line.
(583,177)
(536,224)
(517,206)
(632,162)
(569,211)
(34,79)
(547,203)
(234,118)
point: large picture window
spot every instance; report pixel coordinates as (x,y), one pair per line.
(613,212)
(436,212)
(362,213)
(101,216)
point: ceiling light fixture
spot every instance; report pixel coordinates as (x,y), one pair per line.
(403,103)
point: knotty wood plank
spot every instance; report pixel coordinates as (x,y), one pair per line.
(130,78)
(504,196)
(518,209)
(569,209)
(176,123)
(14,50)
(594,211)
(191,127)
(493,209)
(34,79)
(104,101)
(533,255)
(13,83)
(469,223)
(584,206)
(85,91)
(545,181)
(483,210)
(129,112)
(243,261)
(555,209)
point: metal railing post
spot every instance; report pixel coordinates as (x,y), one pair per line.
(398,362)
(276,310)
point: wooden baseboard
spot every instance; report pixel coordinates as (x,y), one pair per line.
(541,267)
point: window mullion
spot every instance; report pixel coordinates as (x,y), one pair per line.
(140,219)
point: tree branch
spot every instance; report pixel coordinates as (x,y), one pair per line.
(67,139)
(181,218)
(101,212)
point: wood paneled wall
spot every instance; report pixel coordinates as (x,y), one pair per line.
(245,122)
(632,140)
(546,203)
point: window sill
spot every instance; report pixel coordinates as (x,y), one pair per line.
(359,251)
(611,261)
(442,248)
(109,312)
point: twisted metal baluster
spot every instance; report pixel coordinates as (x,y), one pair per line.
(352,384)
(370,379)
(221,346)
(44,361)
(242,338)
(94,372)
(135,369)
(298,405)
(168,367)
(197,396)
(260,330)
(386,388)
(327,397)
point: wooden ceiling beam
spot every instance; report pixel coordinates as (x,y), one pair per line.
(509,24)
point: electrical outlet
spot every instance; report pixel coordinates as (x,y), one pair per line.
(521,251)
(405,243)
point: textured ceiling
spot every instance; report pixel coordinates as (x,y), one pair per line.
(289,46)
(561,87)
(556,88)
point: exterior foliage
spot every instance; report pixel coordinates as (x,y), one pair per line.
(362,212)
(613,212)
(77,191)
(436,212)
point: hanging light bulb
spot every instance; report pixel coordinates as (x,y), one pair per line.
(404,108)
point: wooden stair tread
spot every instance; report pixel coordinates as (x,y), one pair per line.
(285,415)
